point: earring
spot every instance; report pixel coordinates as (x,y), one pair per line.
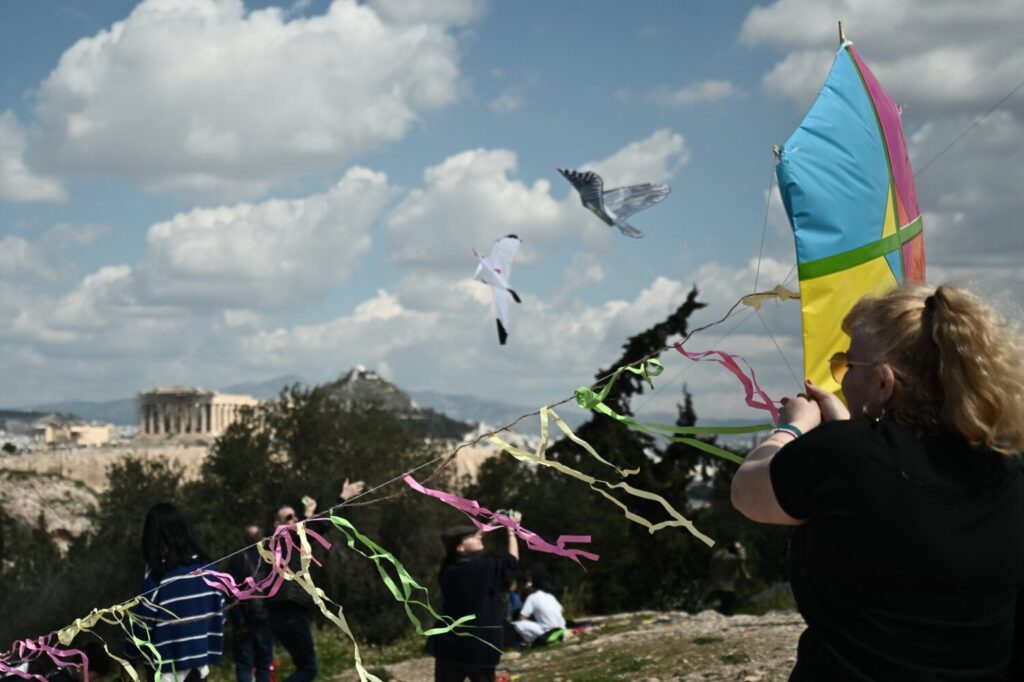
(875,418)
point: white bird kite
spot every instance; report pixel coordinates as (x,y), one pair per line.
(615,206)
(495,269)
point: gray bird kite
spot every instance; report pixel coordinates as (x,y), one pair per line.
(615,206)
(495,269)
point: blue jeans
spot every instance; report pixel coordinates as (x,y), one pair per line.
(254,649)
(291,630)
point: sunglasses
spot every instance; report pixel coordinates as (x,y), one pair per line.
(839,364)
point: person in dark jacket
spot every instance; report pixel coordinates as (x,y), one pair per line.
(288,610)
(190,640)
(253,641)
(472,583)
(289,618)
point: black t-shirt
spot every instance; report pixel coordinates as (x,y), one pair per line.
(913,555)
(476,585)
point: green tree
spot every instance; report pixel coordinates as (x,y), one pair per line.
(637,569)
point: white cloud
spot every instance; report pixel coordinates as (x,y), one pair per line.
(940,54)
(469,200)
(379,328)
(19,260)
(655,158)
(585,269)
(101,317)
(64,236)
(268,255)
(201,96)
(17,181)
(453,12)
(508,101)
(694,93)
(242,318)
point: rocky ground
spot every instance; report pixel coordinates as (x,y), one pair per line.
(63,503)
(89,465)
(656,647)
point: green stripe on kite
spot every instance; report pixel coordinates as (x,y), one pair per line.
(851,259)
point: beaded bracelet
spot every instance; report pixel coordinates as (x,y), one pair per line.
(788,428)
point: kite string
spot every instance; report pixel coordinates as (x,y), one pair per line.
(785,361)
(764,225)
(969,129)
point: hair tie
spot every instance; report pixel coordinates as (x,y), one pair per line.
(929,303)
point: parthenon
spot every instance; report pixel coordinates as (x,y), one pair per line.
(176,410)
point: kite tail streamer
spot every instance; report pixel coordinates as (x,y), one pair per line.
(588,400)
(303,579)
(403,590)
(279,549)
(118,615)
(596,484)
(28,650)
(750,385)
(473,509)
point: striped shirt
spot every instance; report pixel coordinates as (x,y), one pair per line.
(193,636)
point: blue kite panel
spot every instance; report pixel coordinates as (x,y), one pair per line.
(833,175)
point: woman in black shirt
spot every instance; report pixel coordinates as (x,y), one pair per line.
(908,554)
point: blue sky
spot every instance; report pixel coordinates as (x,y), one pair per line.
(208,192)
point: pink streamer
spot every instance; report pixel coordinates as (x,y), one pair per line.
(28,650)
(281,545)
(750,385)
(473,509)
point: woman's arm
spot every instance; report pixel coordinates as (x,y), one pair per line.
(513,541)
(752,491)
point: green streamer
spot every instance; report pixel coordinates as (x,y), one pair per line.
(404,589)
(588,400)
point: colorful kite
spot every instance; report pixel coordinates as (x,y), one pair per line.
(495,269)
(615,206)
(849,192)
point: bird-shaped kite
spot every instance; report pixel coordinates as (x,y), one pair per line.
(495,269)
(615,206)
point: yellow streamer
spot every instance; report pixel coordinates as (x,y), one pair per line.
(780,292)
(539,457)
(116,615)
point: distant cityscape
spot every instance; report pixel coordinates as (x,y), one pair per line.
(186,414)
(179,414)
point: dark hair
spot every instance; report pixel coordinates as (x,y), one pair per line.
(167,542)
(454,535)
(538,576)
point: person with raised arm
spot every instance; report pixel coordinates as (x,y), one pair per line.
(907,558)
(472,582)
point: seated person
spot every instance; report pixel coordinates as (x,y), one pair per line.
(541,615)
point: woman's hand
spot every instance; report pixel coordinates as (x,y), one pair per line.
(832,408)
(801,412)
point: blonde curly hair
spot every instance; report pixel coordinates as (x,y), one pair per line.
(956,358)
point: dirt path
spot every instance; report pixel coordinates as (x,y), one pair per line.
(656,647)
